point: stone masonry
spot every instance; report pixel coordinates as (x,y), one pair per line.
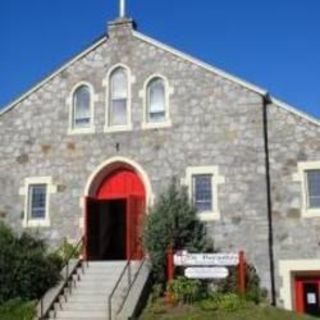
(215,121)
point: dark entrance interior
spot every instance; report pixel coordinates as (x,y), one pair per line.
(106,229)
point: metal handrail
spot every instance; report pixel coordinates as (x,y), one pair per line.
(130,283)
(66,265)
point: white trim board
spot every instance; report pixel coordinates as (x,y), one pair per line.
(295,111)
(50,77)
(200,63)
(178,53)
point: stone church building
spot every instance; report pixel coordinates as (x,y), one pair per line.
(84,150)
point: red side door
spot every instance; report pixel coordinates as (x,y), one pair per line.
(307,290)
(135,213)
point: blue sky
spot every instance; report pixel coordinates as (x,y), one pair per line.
(272,43)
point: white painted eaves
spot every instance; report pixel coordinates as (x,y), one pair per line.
(50,77)
(200,63)
(295,111)
(177,53)
(226,75)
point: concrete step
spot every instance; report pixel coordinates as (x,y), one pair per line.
(97,275)
(81,306)
(88,315)
(90,292)
(80,297)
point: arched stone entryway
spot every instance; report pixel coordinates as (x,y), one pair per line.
(114,206)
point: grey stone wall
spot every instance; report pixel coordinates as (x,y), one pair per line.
(292,139)
(214,122)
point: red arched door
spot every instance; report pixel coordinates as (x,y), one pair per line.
(114,216)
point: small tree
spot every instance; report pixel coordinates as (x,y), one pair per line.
(172,222)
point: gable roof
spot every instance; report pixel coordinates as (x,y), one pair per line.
(93,46)
(226,75)
(187,57)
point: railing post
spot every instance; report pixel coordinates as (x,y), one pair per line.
(110,309)
(129,273)
(67,270)
(41,308)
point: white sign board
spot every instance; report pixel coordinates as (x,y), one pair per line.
(311,298)
(185,259)
(206,273)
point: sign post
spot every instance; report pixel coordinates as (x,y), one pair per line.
(242,273)
(170,264)
(170,271)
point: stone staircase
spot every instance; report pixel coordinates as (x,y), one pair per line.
(88,296)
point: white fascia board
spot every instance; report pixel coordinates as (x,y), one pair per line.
(50,77)
(295,111)
(200,63)
(225,75)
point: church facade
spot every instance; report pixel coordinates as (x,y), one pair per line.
(86,149)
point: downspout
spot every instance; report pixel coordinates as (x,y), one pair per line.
(266,102)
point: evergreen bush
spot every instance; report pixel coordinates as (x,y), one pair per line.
(172,222)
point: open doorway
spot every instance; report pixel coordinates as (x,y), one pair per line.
(106,233)
(113,216)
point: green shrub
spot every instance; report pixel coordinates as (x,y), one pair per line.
(225,302)
(172,221)
(254,292)
(184,290)
(209,304)
(27,271)
(230,302)
(17,310)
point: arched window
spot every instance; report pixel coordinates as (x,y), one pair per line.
(118,98)
(81,116)
(156,100)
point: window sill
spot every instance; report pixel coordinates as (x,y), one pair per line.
(81,131)
(36,223)
(209,216)
(117,129)
(311,213)
(156,125)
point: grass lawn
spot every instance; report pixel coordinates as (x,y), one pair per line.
(159,311)
(16,310)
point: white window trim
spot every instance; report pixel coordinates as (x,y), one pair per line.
(286,270)
(93,99)
(106,84)
(216,180)
(300,176)
(144,95)
(24,191)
